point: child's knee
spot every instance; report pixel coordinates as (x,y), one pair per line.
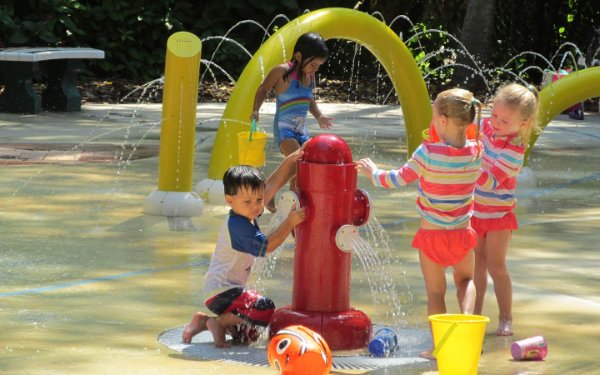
(480,256)
(498,270)
(463,281)
(436,295)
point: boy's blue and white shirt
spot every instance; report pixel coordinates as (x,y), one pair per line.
(239,241)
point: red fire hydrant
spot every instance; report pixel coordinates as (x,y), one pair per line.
(326,180)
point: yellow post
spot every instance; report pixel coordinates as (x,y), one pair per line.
(180,98)
(178,128)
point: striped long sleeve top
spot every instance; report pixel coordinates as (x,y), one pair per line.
(447,177)
(495,193)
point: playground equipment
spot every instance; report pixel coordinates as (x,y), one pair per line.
(563,93)
(341,23)
(174,196)
(326,181)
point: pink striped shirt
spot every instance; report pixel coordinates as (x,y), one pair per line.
(495,193)
(446,177)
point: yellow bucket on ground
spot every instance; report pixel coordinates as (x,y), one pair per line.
(458,340)
(252,149)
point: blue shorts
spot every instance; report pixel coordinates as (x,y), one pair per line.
(286,133)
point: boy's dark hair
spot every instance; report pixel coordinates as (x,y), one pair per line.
(311,45)
(240,176)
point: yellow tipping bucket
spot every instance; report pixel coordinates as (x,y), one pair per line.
(251,146)
(458,340)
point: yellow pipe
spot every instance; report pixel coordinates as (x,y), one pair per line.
(341,23)
(563,93)
(180,97)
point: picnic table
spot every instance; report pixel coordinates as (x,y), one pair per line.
(57,67)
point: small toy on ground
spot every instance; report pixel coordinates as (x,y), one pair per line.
(532,348)
(296,350)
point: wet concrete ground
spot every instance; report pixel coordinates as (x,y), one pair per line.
(89,281)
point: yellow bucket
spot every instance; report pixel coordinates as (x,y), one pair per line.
(252,152)
(458,340)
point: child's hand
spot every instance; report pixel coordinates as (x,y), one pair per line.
(325,122)
(367,168)
(296,215)
(298,153)
(254,116)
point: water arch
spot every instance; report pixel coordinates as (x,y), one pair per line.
(340,23)
(565,92)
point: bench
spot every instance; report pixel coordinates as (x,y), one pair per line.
(58,67)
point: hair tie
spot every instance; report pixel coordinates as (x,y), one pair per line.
(474,102)
(531,88)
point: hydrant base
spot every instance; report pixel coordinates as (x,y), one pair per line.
(343,330)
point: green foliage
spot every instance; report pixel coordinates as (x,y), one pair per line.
(133,36)
(543,27)
(39,23)
(432,48)
(133,33)
(218,18)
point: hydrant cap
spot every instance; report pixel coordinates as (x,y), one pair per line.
(327,149)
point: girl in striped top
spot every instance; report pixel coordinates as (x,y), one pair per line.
(294,83)
(446,170)
(505,138)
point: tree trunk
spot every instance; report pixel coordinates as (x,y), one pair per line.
(478,36)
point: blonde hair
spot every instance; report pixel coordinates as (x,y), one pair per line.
(458,104)
(462,106)
(526,100)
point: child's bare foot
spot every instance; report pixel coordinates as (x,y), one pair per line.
(504,328)
(197,325)
(218,333)
(427,354)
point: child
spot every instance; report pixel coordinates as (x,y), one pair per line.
(505,138)
(447,171)
(240,241)
(294,83)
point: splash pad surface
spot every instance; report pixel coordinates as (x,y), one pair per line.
(202,347)
(89,282)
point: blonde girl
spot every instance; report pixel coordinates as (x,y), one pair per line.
(506,135)
(446,171)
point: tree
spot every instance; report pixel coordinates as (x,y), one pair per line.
(477,35)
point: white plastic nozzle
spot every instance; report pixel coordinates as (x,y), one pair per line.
(286,201)
(346,237)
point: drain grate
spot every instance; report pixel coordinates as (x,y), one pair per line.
(412,342)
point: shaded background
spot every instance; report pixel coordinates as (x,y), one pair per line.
(133,34)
